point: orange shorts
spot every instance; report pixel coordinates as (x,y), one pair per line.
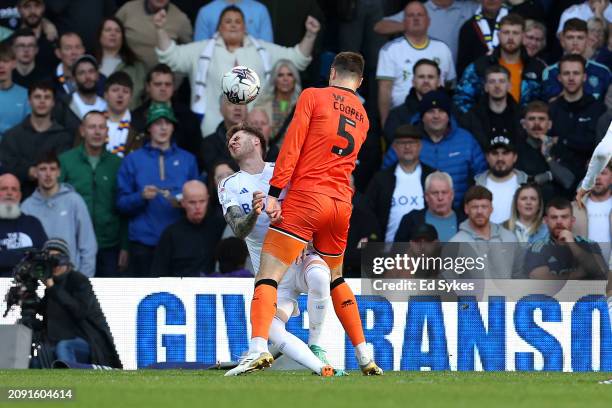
(309,216)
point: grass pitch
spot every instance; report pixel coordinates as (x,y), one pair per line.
(291,389)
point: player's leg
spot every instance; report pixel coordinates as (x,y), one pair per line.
(289,344)
(330,244)
(317,278)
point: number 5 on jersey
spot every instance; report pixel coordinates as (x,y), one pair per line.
(345,134)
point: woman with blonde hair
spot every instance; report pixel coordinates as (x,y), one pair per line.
(282,91)
(527,213)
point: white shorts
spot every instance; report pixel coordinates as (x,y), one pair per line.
(295,282)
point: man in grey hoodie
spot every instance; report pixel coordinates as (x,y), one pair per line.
(63,214)
(479,237)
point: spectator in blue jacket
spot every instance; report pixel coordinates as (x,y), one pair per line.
(13,98)
(257,19)
(446,146)
(525,71)
(574,41)
(148,183)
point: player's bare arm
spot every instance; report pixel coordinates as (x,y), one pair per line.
(242,225)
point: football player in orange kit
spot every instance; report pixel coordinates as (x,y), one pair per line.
(316,161)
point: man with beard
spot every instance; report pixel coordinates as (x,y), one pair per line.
(539,155)
(479,231)
(496,114)
(564,255)
(187,247)
(593,218)
(525,72)
(71,108)
(502,179)
(38,132)
(575,113)
(425,78)
(32,17)
(18,232)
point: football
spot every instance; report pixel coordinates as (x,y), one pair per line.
(240,85)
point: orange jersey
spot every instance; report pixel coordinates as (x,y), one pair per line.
(322,142)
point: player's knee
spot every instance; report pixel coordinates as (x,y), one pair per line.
(285,308)
(318,279)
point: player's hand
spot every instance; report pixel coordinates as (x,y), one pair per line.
(580,196)
(566,236)
(149,192)
(159,19)
(32,173)
(273,209)
(312,25)
(258,202)
(49,283)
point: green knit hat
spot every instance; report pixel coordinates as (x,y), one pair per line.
(159,110)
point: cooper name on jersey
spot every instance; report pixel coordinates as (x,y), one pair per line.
(349,110)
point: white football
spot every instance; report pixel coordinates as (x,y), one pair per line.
(240,85)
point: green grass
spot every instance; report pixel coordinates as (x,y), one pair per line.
(177,389)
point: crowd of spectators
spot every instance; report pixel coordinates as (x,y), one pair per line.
(484,114)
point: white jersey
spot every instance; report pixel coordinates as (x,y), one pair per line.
(601,156)
(237,190)
(398,57)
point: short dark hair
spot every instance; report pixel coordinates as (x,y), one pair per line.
(537,106)
(229,9)
(560,203)
(513,19)
(49,156)
(349,63)
(42,85)
(22,32)
(6,52)
(425,61)
(91,113)
(496,69)
(245,127)
(159,69)
(67,34)
(573,58)
(119,78)
(231,253)
(575,24)
(477,193)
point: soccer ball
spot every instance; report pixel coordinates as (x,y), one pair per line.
(240,85)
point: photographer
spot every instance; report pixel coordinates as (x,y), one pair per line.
(74,325)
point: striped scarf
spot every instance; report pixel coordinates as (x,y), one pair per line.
(491,38)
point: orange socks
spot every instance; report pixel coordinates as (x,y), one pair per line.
(346,309)
(263,307)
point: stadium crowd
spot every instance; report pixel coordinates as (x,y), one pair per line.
(484,115)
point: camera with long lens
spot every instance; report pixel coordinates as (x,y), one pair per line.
(36,266)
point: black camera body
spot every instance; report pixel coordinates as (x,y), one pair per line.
(36,266)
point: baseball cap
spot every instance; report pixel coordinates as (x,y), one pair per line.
(500,141)
(435,99)
(57,244)
(159,110)
(84,58)
(425,232)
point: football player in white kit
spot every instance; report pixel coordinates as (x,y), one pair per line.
(242,198)
(599,160)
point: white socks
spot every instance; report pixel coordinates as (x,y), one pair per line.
(362,354)
(317,279)
(258,344)
(293,347)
